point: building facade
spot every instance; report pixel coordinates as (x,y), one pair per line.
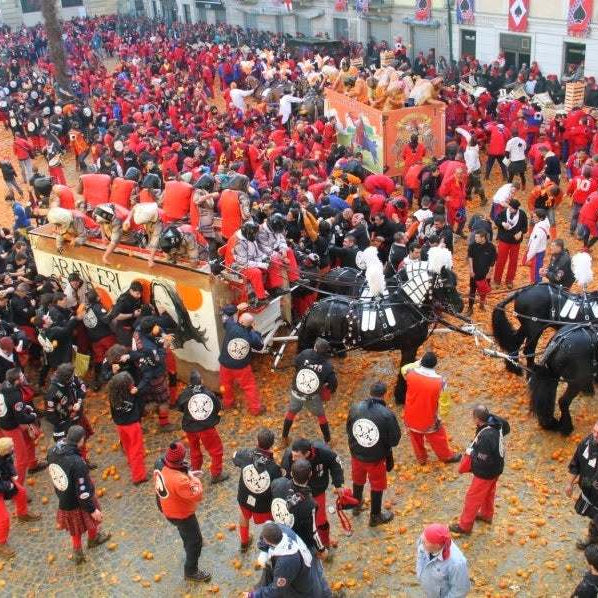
(28,12)
(545,41)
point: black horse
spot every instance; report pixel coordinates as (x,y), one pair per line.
(400,320)
(571,355)
(538,307)
(346,281)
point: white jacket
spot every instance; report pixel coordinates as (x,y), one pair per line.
(471,153)
(538,240)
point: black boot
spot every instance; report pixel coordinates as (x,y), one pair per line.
(97,372)
(358,494)
(325,431)
(378,516)
(286,428)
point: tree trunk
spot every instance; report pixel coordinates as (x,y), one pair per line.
(56,45)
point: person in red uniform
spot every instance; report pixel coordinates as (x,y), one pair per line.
(235,359)
(496,149)
(453,189)
(78,508)
(424,387)
(254,494)
(412,153)
(201,414)
(178,492)
(579,189)
(126,409)
(65,196)
(95,189)
(11,489)
(20,422)
(587,229)
(485,458)
(230,211)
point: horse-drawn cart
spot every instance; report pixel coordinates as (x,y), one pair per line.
(193,297)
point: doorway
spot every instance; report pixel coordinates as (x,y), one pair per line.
(517,50)
(468,43)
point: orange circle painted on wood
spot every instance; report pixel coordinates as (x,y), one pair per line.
(146,292)
(190,296)
(105,298)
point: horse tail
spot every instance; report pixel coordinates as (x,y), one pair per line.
(542,393)
(505,335)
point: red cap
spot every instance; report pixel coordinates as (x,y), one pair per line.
(175,455)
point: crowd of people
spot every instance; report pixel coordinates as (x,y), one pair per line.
(177,154)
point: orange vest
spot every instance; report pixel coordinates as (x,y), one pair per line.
(421,402)
(65,196)
(230,211)
(145,196)
(120,194)
(178,495)
(194,215)
(96,188)
(176,200)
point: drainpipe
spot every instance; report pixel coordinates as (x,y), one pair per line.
(449,18)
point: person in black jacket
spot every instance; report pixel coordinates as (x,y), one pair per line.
(64,400)
(78,507)
(485,458)
(97,323)
(481,256)
(588,586)
(17,418)
(512,226)
(254,495)
(126,308)
(293,505)
(56,341)
(11,489)
(582,468)
(325,464)
(313,383)
(126,409)
(373,431)
(201,414)
(559,269)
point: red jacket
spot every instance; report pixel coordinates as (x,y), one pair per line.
(588,215)
(177,492)
(22,148)
(497,143)
(421,403)
(580,189)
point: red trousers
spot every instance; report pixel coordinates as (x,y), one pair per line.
(246,380)
(479,500)
(57,173)
(24,451)
(170,363)
(99,348)
(20,499)
(506,252)
(275,278)
(437,440)
(376,472)
(212,443)
(322,519)
(131,439)
(255,278)
(302,304)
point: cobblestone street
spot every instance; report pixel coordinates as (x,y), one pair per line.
(528,551)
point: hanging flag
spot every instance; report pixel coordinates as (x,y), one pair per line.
(465,12)
(518,13)
(340,5)
(579,17)
(288,5)
(423,10)
(362,6)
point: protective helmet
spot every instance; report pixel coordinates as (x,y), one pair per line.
(249,230)
(146,212)
(105,212)
(60,217)
(170,239)
(132,174)
(206,182)
(43,186)
(277,223)
(87,113)
(151,181)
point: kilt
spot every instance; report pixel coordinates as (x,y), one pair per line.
(76,521)
(158,391)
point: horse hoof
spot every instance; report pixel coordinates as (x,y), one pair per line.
(551,425)
(566,429)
